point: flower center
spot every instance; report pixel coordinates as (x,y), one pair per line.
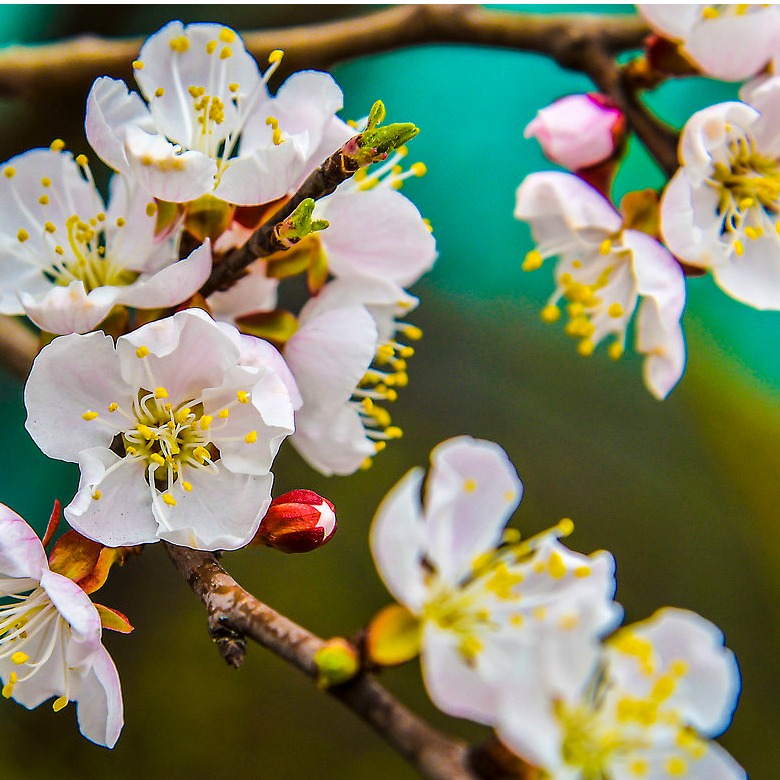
(586,744)
(748,191)
(30,626)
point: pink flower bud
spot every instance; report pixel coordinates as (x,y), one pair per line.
(296,522)
(578,131)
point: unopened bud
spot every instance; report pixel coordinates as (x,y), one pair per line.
(375,143)
(337,662)
(579,131)
(300,223)
(297,522)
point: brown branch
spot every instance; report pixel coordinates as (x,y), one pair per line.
(18,346)
(265,240)
(233,614)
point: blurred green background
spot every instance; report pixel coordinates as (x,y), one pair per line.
(684,492)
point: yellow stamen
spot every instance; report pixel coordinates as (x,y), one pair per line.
(138,65)
(89,415)
(142,352)
(169,499)
(251,437)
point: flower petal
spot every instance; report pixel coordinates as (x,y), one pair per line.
(99,696)
(70,309)
(21,552)
(88,367)
(471,493)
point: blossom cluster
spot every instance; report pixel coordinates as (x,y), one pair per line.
(718,213)
(519,633)
(171,382)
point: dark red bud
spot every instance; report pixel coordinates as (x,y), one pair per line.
(297,522)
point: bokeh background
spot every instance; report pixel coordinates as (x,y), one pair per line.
(684,493)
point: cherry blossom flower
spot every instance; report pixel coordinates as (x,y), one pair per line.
(50,637)
(730,42)
(210,125)
(605,272)
(68,260)
(347,361)
(720,210)
(647,708)
(479,595)
(578,131)
(174,430)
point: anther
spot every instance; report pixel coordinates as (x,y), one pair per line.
(97,495)
(223,414)
(82,161)
(187,485)
(138,65)
(169,499)
(20,658)
(57,145)
(160,392)
(205,422)
(242,396)
(89,415)
(159,92)
(551,313)
(22,235)
(533,260)
(142,352)
(251,437)
(9,172)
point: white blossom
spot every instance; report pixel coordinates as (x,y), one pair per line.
(174,429)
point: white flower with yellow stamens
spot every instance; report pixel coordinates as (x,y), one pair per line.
(175,429)
(478,602)
(605,272)
(67,259)
(50,636)
(210,125)
(646,708)
(721,210)
(348,358)
(726,41)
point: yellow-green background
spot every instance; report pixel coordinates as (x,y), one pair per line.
(684,493)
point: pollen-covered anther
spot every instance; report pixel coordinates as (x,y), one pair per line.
(89,415)
(242,396)
(251,437)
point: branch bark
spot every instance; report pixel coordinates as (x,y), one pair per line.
(233,613)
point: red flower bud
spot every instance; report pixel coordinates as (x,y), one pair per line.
(296,522)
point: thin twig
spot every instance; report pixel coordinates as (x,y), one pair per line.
(234,613)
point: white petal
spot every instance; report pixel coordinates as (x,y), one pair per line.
(375,232)
(123,514)
(754,278)
(222,511)
(89,368)
(329,354)
(673,21)
(259,354)
(164,170)
(188,352)
(99,697)
(70,309)
(397,541)
(471,493)
(21,553)
(262,176)
(111,110)
(331,438)
(254,292)
(171,285)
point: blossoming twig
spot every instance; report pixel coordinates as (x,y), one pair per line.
(233,613)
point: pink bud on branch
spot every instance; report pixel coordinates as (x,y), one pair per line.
(296,522)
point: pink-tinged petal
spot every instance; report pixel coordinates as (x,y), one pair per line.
(330,353)
(331,439)
(673,21)
(252,293)
(575,131)
(70,309)
(173,344)
(398,544)
(304,106)
(471,493)
(89,368)
(164,170)
(561,204)
(690,224)
(706,694)
(455,686)
(734,47)
(76,608)
(19,274)
(713,764)
(375,232)
(269,415)
(221,512)
(21,552)
(259,354)
(754,278)
(175,68)
(171,285)
(99,696)
(335,134)
(122,515)
(111,110)
(262,176)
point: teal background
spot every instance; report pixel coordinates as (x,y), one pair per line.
(684,492)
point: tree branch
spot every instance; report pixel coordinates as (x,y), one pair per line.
(233,614)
